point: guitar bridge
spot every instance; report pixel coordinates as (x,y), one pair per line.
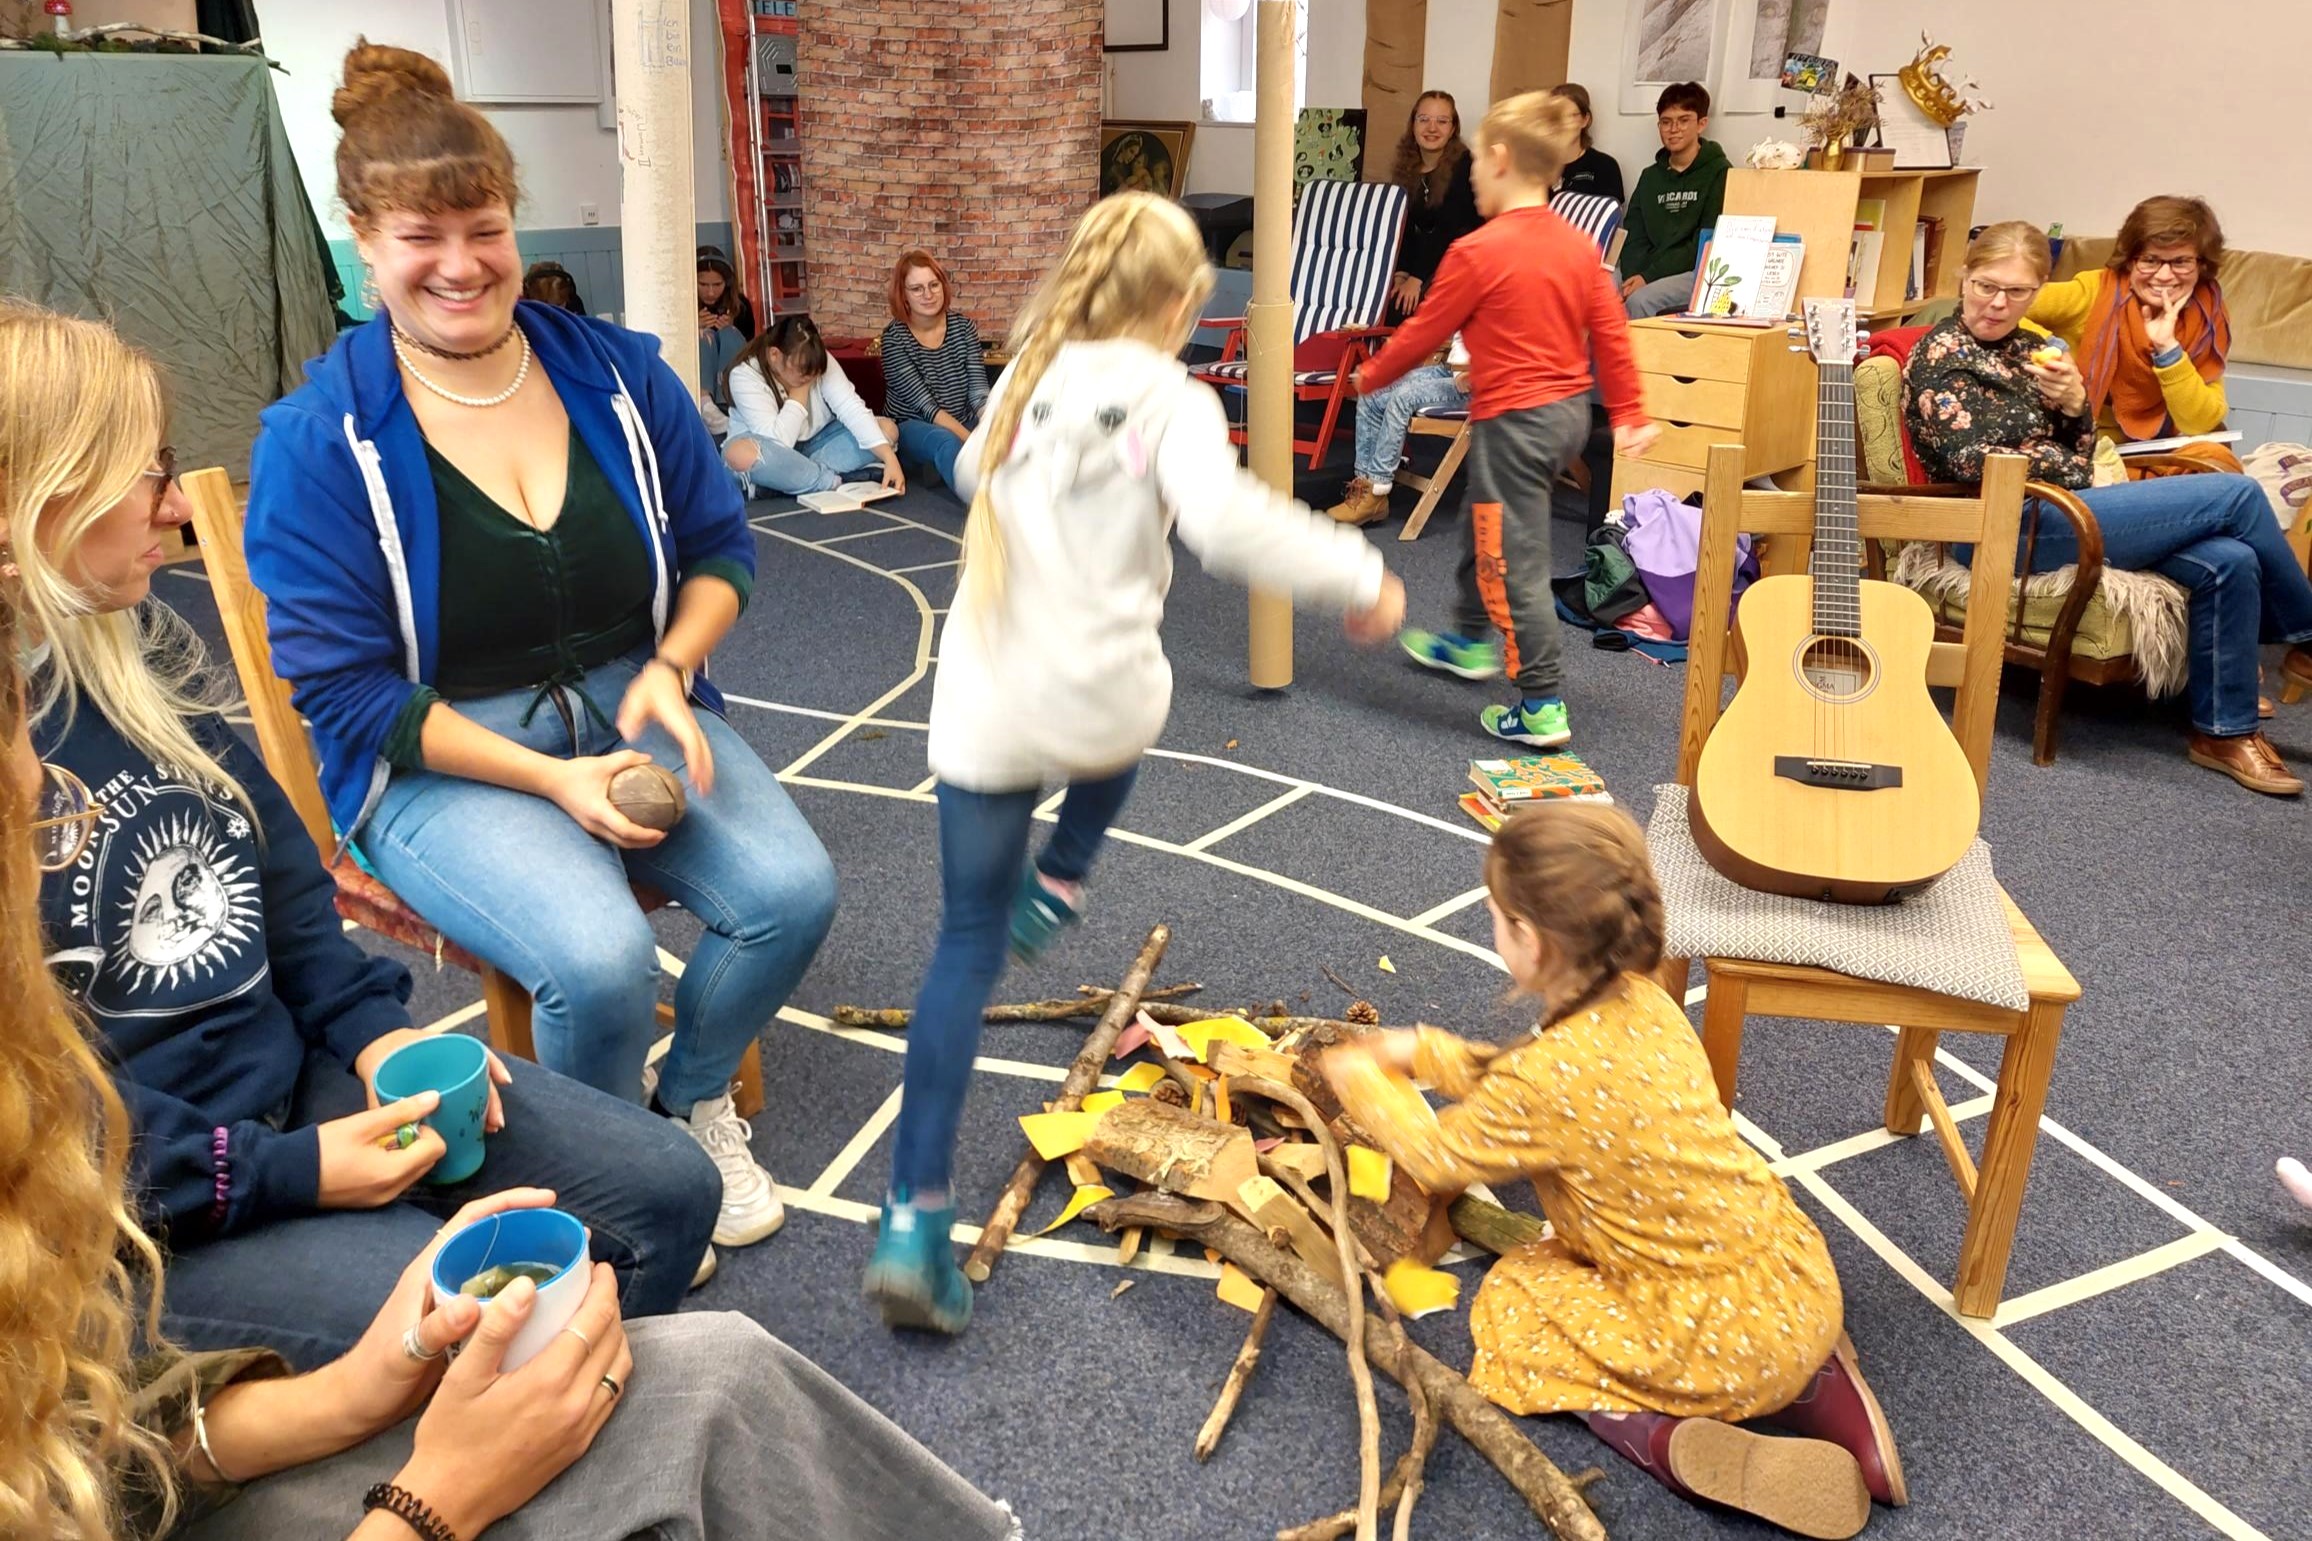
(1837,775)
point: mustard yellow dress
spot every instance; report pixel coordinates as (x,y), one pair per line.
(1681,1277)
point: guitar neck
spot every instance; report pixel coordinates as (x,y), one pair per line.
(1837,562)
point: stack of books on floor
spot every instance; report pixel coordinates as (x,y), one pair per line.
(1504,786)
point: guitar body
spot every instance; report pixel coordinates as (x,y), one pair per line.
(1832,775)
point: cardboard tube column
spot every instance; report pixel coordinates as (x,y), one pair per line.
(1268,321)
(657,206)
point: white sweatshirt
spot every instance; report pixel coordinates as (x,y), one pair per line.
(756,412)
(1064,676)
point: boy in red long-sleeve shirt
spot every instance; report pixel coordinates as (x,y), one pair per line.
(1533,305)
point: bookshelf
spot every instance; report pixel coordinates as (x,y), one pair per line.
(1820,207)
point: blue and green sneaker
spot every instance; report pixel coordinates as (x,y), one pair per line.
(1450,654)
(1037,916)
(1541,724)
(913,1278)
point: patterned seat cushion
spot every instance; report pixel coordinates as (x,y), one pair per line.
(368,903)
(1235,374)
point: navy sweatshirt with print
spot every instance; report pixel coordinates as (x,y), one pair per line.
(211,962)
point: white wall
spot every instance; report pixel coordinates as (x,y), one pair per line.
(2098,103)
(566,158)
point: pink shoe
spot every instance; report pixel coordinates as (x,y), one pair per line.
(1838,1406)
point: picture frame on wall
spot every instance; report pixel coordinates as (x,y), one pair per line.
(1665,41)
(1138,27)
(1145,154)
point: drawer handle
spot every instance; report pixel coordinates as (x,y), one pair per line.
(1685,379)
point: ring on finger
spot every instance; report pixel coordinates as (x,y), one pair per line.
(611,1384)
(581,1337)
(414,1347)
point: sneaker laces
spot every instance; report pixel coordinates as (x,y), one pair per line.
(725,1136)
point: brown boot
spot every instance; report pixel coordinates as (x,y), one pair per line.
(2249,759)
(1838,1405)
(1808,1486)
(2295,673)
(1360,504)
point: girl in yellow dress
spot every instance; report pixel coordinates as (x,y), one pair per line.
(1682,1289)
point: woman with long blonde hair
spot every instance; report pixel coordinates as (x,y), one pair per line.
(1095,447)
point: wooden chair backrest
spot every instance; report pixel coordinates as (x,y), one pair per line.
(1989,519)
(281,737)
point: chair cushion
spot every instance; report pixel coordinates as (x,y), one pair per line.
(1344,248)
(1878,420)
(363,899)
(2103,634)
(1953,939)
(1236,373)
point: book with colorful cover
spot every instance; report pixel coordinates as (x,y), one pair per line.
(1488,816)
(1536,778)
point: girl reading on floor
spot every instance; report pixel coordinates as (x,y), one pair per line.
(1094,447)
(1682,1289)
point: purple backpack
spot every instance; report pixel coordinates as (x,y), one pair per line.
(1665,543)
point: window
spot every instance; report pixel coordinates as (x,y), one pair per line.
(1229,64)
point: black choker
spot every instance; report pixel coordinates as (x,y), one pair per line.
(427,347)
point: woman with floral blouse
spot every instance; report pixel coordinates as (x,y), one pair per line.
(1976,383)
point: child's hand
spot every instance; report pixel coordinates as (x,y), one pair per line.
(1357,381)
(1632,440)
(1379,623)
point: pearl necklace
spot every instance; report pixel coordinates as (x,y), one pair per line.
(504,396)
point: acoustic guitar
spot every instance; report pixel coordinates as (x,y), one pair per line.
(1831,774)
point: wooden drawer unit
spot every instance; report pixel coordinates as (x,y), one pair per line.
(1713,384)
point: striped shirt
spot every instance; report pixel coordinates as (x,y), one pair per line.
(920,382)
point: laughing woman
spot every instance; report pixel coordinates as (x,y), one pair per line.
(498,546)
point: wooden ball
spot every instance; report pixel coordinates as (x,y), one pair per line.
(649,795)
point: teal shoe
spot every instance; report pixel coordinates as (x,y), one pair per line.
(913,1277)
(1542,727)
(1038,915)
(1451,654)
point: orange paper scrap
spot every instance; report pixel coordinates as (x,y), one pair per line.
(1368,1174)
(1238,1289)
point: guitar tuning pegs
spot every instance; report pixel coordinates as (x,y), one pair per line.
(1798,347)
(1797,331)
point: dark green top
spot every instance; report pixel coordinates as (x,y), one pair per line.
(522,608)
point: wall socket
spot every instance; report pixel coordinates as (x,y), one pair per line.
(589,214)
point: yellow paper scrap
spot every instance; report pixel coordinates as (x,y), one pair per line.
(1368,1174)
(1386,966)
(1101,1102)
(1140,1078)
(1201,1036)
(1085,1197)
(1237,1288)
(1420,1291)
(1057,1134)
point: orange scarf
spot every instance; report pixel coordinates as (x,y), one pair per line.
(2117,353)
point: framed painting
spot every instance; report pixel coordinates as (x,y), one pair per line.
(1149,156)
(1138,27)
(1666,41)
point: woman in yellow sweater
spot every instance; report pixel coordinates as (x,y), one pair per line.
(2149,328)
(1682,1289)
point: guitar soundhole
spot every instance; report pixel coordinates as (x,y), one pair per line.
(1837,668)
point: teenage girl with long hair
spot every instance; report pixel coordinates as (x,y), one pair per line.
(797,424)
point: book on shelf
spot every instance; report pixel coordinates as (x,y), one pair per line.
(2162,446)
(1534,778)
(848,498)
(1727,261)
(1862,268)
(1933,225)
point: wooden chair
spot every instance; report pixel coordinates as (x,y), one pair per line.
(1344,249)
(1740,989)
(1601,220)
(288,753)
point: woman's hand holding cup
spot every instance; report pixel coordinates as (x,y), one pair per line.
(362,1167)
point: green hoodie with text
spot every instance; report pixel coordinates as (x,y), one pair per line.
(1669,210)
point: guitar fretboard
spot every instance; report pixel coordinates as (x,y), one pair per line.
(1837,562)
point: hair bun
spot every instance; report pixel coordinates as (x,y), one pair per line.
(377,72)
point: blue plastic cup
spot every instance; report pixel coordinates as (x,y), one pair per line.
(545,1236)
(458,1068)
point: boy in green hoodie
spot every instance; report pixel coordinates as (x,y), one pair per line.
(1677,198)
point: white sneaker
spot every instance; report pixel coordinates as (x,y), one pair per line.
(706,1266)
(750,1205)
(652,1063)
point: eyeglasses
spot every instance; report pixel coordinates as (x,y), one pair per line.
(67,821)
(167,472)
(1986,291)
(2182,267)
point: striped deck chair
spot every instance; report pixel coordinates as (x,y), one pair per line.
(1344,247)
(1598,218)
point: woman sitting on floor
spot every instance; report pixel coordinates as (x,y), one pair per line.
(796,423)
(731,1431)
(199,934)
(2149,328)
(934,367)
(726,322)
(1977,382)
(497,544)
(1682,1289)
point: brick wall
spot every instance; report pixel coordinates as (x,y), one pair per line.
(967,127)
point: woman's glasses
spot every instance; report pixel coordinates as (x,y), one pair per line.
(67,820)
(2182,267)
(1986,291)
(166,472)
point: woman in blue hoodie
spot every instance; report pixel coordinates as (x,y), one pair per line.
(497,547)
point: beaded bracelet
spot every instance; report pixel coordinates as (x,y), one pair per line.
(221,1183)
(408,1508)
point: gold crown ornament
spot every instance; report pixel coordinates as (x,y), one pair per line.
(1925,83)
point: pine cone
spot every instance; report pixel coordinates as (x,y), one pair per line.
(1363,1013)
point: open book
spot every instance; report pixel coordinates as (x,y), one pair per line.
(2162,446)
(848,498)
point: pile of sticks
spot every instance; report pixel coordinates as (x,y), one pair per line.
(1245,1154)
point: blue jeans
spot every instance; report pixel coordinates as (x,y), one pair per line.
(1661,297)
(310,1286)
(515,881)
(926,443)
(817,464)
(716,351)
(983,839)
(2215,535)
(1384,417)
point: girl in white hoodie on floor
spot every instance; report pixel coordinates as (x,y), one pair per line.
(1094,448)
